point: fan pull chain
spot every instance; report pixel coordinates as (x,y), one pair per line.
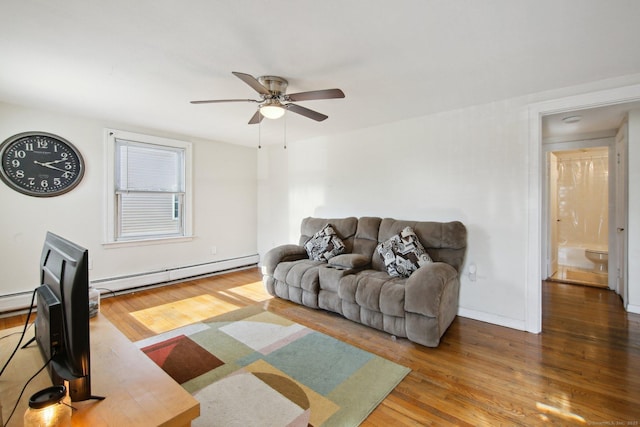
(285,130)
(259,134)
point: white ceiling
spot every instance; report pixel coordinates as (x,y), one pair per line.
(141,62)
(591,121)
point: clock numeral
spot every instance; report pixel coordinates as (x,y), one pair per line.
(68,166)
(67,175)
(57,181)
(44,183)
(20,174)
(28,146)
(32,181)
(20,154)
(15,163)
(42,144)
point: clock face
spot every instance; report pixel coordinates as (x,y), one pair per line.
(40,164)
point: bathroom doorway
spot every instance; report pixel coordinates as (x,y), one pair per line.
(585,131)
(580,207)
(604,114)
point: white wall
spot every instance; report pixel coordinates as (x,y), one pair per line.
(225,206)
(475,165)
(468,165)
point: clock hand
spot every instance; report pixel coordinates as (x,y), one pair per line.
(53,162)
(49,165)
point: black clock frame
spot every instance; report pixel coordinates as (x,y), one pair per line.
(44,161)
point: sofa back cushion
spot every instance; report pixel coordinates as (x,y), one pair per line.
(344,227)
(366,238)
(444,241)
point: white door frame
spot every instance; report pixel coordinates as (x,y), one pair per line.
(620,226)
(533,285)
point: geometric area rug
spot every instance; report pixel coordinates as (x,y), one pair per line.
(251,367)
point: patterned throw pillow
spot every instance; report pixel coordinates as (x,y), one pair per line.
(324,245)
(403,253)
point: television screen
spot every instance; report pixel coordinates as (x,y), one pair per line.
(62,323)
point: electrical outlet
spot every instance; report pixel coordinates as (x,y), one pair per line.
(473,269)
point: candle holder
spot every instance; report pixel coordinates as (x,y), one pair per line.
(48,409)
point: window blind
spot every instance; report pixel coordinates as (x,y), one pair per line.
(147,167)
(149,190)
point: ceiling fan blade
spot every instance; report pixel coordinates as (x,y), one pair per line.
(214,101)
(256,118)
(316,94)
(306,112)
(252,81)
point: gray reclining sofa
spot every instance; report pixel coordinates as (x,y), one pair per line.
(358,284)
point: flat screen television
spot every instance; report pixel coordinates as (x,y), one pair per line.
(62,321)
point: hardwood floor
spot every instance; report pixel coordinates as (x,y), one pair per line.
(583,369)
(580,276)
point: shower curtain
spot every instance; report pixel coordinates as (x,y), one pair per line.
(583,197)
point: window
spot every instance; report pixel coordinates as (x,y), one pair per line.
(149,196)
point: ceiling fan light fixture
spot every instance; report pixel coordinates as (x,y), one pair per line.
(272,111)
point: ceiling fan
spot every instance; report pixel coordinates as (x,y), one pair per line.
(274,100)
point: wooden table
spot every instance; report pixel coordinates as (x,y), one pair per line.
(137,391)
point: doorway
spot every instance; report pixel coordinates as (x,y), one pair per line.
(581,207)
(627,98)
(592,133)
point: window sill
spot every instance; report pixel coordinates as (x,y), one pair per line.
(146,242)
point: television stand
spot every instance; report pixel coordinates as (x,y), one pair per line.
(33,339)
(139,392)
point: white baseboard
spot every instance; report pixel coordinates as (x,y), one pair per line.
(20,301)
(172,275)
(15,302)
(512,323)
(492,318)
(633,308)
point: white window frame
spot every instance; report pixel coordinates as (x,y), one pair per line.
(111,135)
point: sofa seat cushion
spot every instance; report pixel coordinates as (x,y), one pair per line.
(374,290)
(300,274)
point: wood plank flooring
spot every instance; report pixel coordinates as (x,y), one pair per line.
(584,369)
(580,276)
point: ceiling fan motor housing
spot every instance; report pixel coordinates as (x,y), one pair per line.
(274,84)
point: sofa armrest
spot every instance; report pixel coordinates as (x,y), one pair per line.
(349,261)
(280,254)
(426,286)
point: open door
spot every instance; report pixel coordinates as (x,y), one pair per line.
(552,182)
(621,286)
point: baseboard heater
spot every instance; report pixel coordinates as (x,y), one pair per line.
(20,301)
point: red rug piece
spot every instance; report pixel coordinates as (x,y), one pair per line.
(182,358)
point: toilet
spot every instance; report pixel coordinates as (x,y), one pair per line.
(599,258)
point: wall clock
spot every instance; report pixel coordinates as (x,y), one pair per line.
(40,164)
